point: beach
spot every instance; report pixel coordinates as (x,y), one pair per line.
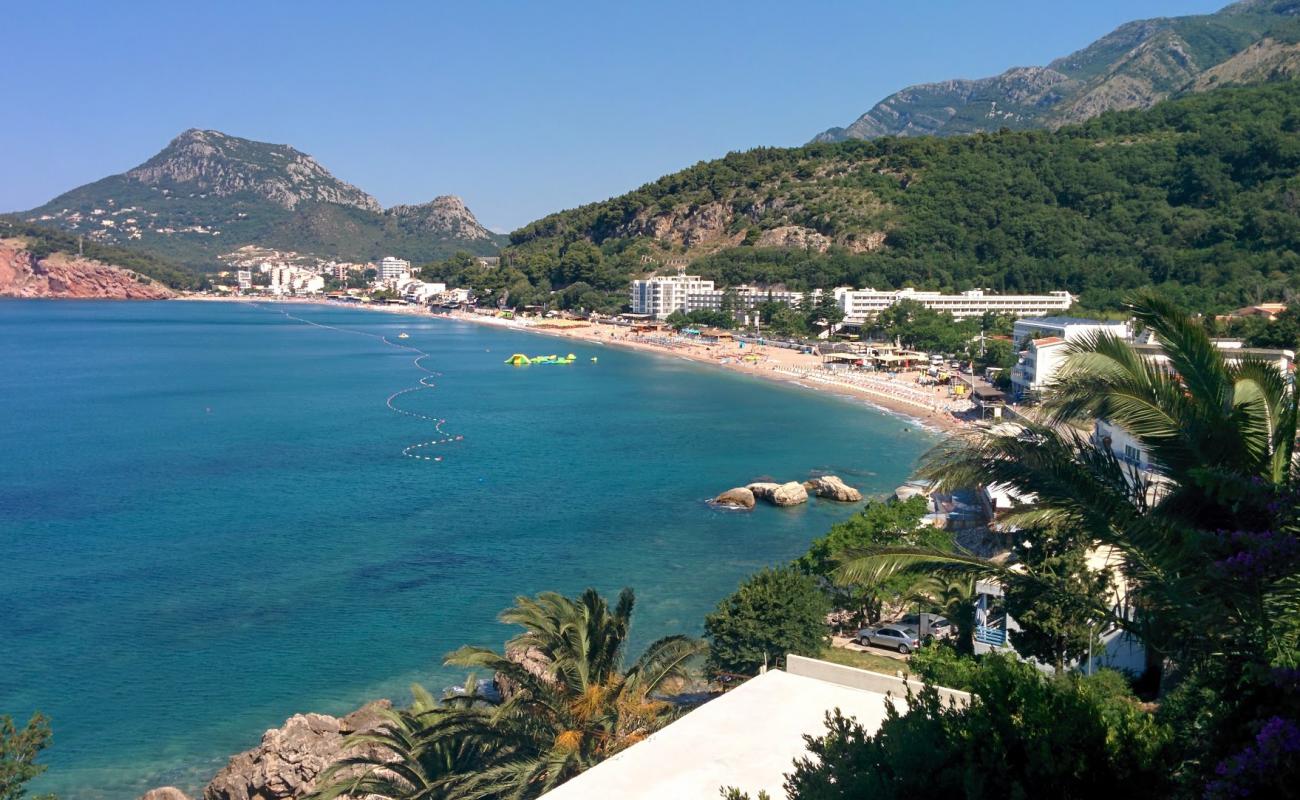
(899,393)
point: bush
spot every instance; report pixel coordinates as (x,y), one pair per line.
(774,612)
(941,665)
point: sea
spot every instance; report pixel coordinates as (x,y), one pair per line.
(216,515)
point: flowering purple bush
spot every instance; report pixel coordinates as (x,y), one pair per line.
(1262,767)
(1256,555)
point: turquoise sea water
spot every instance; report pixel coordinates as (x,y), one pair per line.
(207,523)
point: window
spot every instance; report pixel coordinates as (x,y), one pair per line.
(1132,453)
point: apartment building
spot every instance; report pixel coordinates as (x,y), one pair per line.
(392,269)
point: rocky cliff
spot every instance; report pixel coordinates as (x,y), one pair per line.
(66,276)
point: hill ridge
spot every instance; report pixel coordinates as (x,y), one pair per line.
(207,193)
(1134,66)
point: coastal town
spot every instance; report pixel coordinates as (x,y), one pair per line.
(862,401)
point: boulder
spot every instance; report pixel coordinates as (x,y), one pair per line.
(290,758)
(832,488)
(790,494)
(763,490)
(164,793)
(740,497)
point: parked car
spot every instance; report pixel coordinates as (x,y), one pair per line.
(940,627)
(896,637)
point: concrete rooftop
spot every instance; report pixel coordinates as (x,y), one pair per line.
(748,737)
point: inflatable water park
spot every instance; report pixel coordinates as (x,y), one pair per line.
(521,360)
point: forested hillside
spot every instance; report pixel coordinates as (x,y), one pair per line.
(1200,196)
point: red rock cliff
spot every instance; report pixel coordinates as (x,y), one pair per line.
(63,275)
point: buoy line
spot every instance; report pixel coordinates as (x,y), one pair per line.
(426,383)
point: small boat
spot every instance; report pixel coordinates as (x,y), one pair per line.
(403,335)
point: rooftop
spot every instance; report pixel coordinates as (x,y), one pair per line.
(747,738)
(1068,321)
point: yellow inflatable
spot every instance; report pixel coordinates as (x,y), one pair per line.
(519,360)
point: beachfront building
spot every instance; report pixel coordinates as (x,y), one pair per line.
(1037,366)
(393,269)
(295,281)
(245,278)
(1068,328)
(422,292)
(663,294)
(859,305)
(747,738)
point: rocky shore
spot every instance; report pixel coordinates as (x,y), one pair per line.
(791,493)
(288,761)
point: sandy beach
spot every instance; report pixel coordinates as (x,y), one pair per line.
(899,393)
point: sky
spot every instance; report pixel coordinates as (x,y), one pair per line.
(521,108)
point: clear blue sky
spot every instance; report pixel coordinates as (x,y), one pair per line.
(522,108)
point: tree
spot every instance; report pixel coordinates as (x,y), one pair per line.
(828,309)
(878,524)
(954,598)
(568,701)
(583,704)
(18,752)
(430,750)
(1058,613)
(774,612)
(787,321)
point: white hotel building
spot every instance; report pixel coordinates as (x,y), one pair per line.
(859,305)
(661,296)
(393,269)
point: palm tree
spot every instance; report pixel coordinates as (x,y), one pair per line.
(566,705)
(425,752)
(578,704)
(954,597)
(1206,547)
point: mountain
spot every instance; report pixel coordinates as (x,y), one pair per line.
(1133,67)
(1196,195)
(208,193)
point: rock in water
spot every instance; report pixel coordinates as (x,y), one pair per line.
(790,494)
(164,793)
(290,758)
(740,497)
(832,488)
(763,490)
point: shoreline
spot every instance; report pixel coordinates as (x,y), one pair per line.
(900,395)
